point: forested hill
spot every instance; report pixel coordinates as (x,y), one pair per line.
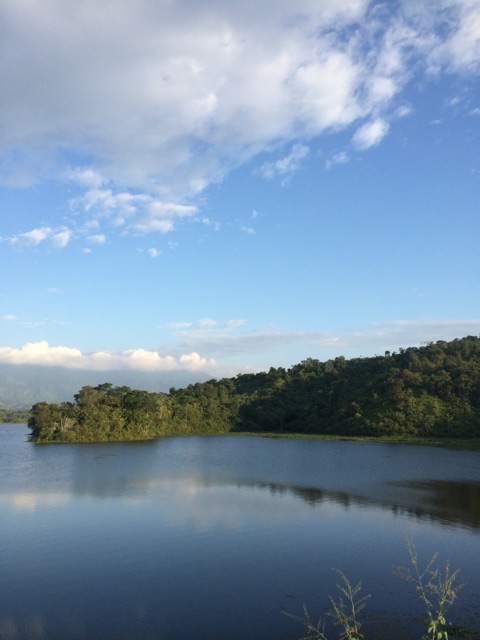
(431,390)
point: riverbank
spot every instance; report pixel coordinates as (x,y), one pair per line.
(459,444)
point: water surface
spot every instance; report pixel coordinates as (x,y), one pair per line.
(213,537)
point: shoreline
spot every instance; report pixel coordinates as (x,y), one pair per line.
(458,444)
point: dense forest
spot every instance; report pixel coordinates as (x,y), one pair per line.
(433,390)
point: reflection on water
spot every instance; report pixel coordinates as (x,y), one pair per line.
(213,537)
(453,502)
(447,503)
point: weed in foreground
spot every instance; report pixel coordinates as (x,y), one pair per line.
(438,589)
(344,612)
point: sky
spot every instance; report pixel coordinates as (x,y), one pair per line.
(224,187)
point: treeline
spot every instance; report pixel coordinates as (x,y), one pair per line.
(433,390)
(14,416)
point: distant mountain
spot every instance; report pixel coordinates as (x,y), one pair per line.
(23,385)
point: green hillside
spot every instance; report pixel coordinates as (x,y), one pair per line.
(433,390)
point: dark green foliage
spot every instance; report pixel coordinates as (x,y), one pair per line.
(433,390)
(13,416)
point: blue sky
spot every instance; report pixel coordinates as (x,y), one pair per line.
(224,187)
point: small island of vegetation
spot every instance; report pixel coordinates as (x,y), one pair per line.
(430,391)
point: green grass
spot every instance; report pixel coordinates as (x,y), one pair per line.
(461,444)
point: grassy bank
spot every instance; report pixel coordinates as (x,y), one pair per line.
(460,444)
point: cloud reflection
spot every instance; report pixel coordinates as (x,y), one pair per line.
(31,500)
(207,502)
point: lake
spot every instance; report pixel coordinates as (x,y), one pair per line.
(215,537)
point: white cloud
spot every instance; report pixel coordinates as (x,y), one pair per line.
(61,238)
(178,325)
(370,134)
(211,223)
(41,353)
(194,362)
(338,158)
(139,213)
(233,340)
(286,166)
(232,324)
(204,322)
(86,177)
(232,347)
(461,49)
(403,111)
(98,238)
(456,100)
(107,203)
(161,216)
(33,237)
(57,238)
(153,253)
(147,103)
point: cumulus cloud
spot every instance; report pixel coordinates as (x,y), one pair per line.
(143,104)
(57,238)
(61,238)
(370,134)
(161,216)
(225,342)
(33,237)
(41,353)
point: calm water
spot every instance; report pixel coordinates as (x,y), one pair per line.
(213,537)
